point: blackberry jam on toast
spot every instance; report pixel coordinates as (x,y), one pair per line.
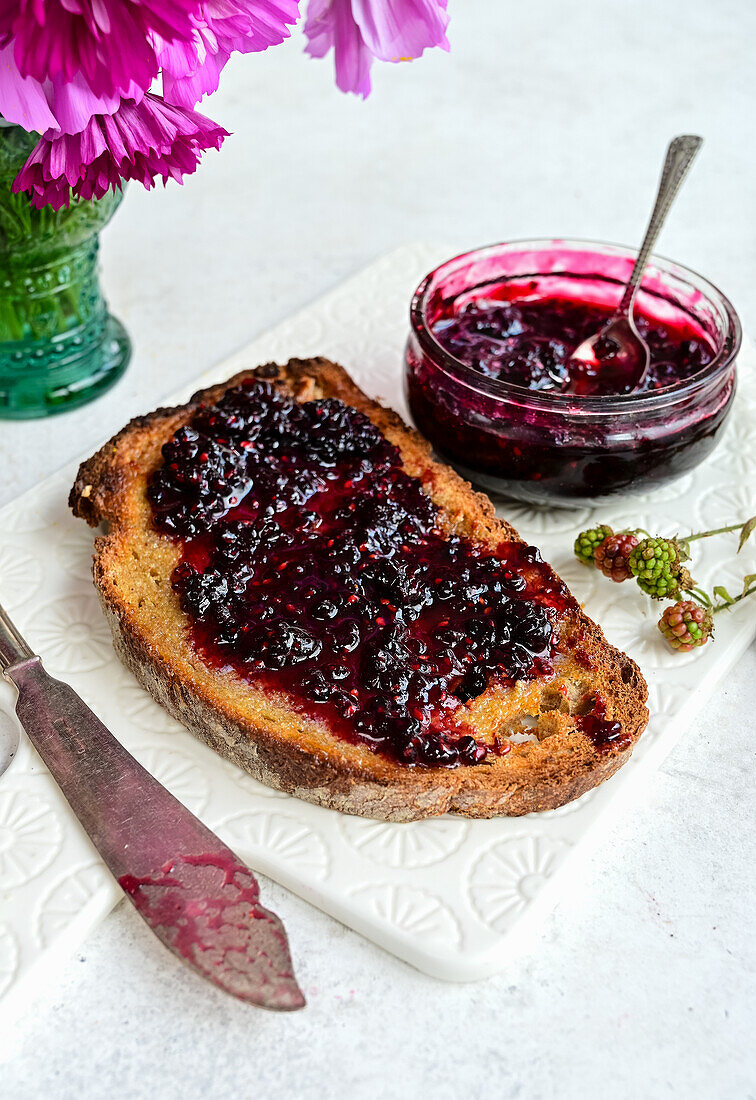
(289,572)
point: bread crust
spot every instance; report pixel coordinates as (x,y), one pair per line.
(260,731)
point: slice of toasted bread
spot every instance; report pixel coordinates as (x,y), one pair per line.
(263,731)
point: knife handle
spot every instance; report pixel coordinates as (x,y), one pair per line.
(13,648)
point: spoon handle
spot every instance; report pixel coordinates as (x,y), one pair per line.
(680,153)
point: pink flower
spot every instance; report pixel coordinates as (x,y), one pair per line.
(55,104)
(139,141)
(221,28)
(108,42)
(358,31)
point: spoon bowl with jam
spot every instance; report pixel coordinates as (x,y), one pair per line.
(616,356)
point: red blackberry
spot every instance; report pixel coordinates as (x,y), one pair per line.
(613,554)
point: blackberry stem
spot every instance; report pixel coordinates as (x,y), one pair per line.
(705,600)
(699,596)
(735,599)
(715,531)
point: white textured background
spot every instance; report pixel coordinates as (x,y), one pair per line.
(546,119)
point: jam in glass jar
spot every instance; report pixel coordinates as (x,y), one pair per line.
(487,359)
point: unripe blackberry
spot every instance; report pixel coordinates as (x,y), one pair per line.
(656,564)
(686,625)
(587,542)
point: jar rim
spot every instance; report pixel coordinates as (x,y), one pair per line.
(567,404)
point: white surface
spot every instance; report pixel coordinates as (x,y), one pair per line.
(644,984)
(452,897)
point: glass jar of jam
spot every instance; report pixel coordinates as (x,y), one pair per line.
(487,359)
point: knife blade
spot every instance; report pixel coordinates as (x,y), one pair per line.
(195,894)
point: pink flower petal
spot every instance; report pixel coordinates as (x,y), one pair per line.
(193,70)
(73,102)
(139,141)
(185,91)
(256,24)
(395,30)
(22,99)
(330,23)
(359,31)
(107,41)
(319,28)
(180,58)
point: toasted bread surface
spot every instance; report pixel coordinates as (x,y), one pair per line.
(261,730)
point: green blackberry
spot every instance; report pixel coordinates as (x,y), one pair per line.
(656,564)
(588,542)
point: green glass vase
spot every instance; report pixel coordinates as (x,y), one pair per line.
(59,346)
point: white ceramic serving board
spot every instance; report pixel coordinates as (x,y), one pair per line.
(447,895)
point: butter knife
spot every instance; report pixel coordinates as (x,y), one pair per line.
(194,893)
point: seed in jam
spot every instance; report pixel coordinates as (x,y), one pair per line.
(314,565)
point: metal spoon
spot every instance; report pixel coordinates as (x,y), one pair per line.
(616,358)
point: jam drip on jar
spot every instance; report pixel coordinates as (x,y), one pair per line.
(313,564)
(528,342)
